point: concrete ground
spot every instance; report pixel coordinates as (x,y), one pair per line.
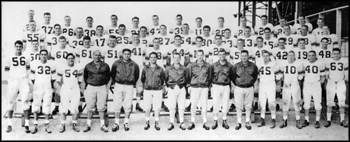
(136,132)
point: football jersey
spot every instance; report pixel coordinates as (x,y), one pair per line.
(280,54)
(290,71)
(198,31)
(337,69)
(219,31)
(256,53)
(230,42)
(290,40)
(280,30)
(248,41)
(176,30)
(194,50)
(53,39)
(187,39)
(123,39)
(137,53)
(165,40)
(240,32)
(235,54)
(267,72)
(146,41)
(301,54)
(85,54)
(260,29)
(309,38)
(34,55)
(208,41)
(74,41)
(313,71)
(134,30)
(43,73)
(47,29)
(59,55)
(99,41)
(29,36)
(214,51)
(297,27)
(110,30)
(18,65)
(154,30)
(70,76)
(90,31)
(161,54)
(317,32)
(68,31)
(111,54)
(271,43)
(323,54)
(183,51)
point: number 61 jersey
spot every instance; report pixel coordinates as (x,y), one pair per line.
(43,73)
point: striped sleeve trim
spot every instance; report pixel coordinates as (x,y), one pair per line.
(32,71)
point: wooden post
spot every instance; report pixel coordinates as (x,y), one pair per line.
(338,25)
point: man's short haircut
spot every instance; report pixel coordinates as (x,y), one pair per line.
(135,18)
(126,50)
(245,51)
(153,53)
(89,17)
(99,26)
(47,13)
(86,38)
(18,42)
(206,26)
(70,54)
(43,50)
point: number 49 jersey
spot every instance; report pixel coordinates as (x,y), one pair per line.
(43,73)
(337,70)
(17,65)
(69,75)
(313,71)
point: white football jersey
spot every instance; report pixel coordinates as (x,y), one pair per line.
(161,54)
(68,31)
(290,40)
(267,72)
(90,31)
(331,38)
(85,54)
(43,73)
(137,53)
(317,32)
(290,71)
(260,29)
(59,55)
(183,51)
(219,31)
(111,54)
(313,71)
(271,43)
(309,38)
(110,30)
(164,40)
(249,42)
(188,40)
(256,53)
(280,54)
(198,31)
(235,54)
(193,51)
(53,39)
(208,41)
(301,54)
(34,55)
(75,41)
(214,52)
(297,27)
(240,31)
(29,36)
(69,75)
(337,70)
(323,54)
(231,42)
(99,41)
(47,29)
(146,41)
(123,39)
(154,30)
(18,65)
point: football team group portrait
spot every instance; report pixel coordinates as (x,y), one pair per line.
(183,68)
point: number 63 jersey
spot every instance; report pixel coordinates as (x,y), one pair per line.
(43,73)
(337,70)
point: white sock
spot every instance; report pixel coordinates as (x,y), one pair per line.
(262,115)
(172,120)
(9,121)
(215,118)
(297,117)
(342,117)
(224,117)
(88,122)
(247,119)
(35,122)
(156,119)
(126,120)
(147,118)
(307,118)
(26,122)
(116,121)
(317,118)
(63,121)
(285,117)
(102,122)
(204,119)
(329,115)
(74,121)
(193,119)
(47,121)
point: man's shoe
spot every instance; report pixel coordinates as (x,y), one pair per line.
(191,126)
(328,124)
(238,126)
(138,107)
(273,123)
(317,125)
(182,126)
(104,129)
(171,127)
(35,129)
(55,111)
(62,128)
(247,125)
(47,129)
(9,129)
(262,122)
(215,125)
(156,125)
(147,125)
(225,125)
(75,128)
(80,108)
(344,124)
(299,126)
(87,128)
(188,109)
(206,127)
(284,124)
(115,127)
(305,124)
(26,129)
(126,127)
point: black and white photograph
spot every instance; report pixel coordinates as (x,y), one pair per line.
(174,70)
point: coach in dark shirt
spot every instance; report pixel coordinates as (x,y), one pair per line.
(98,80)
(245,73)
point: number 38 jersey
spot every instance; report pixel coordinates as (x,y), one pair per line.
(313,71)
(17,65)
(43,73)
(337,69)
(69,75)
